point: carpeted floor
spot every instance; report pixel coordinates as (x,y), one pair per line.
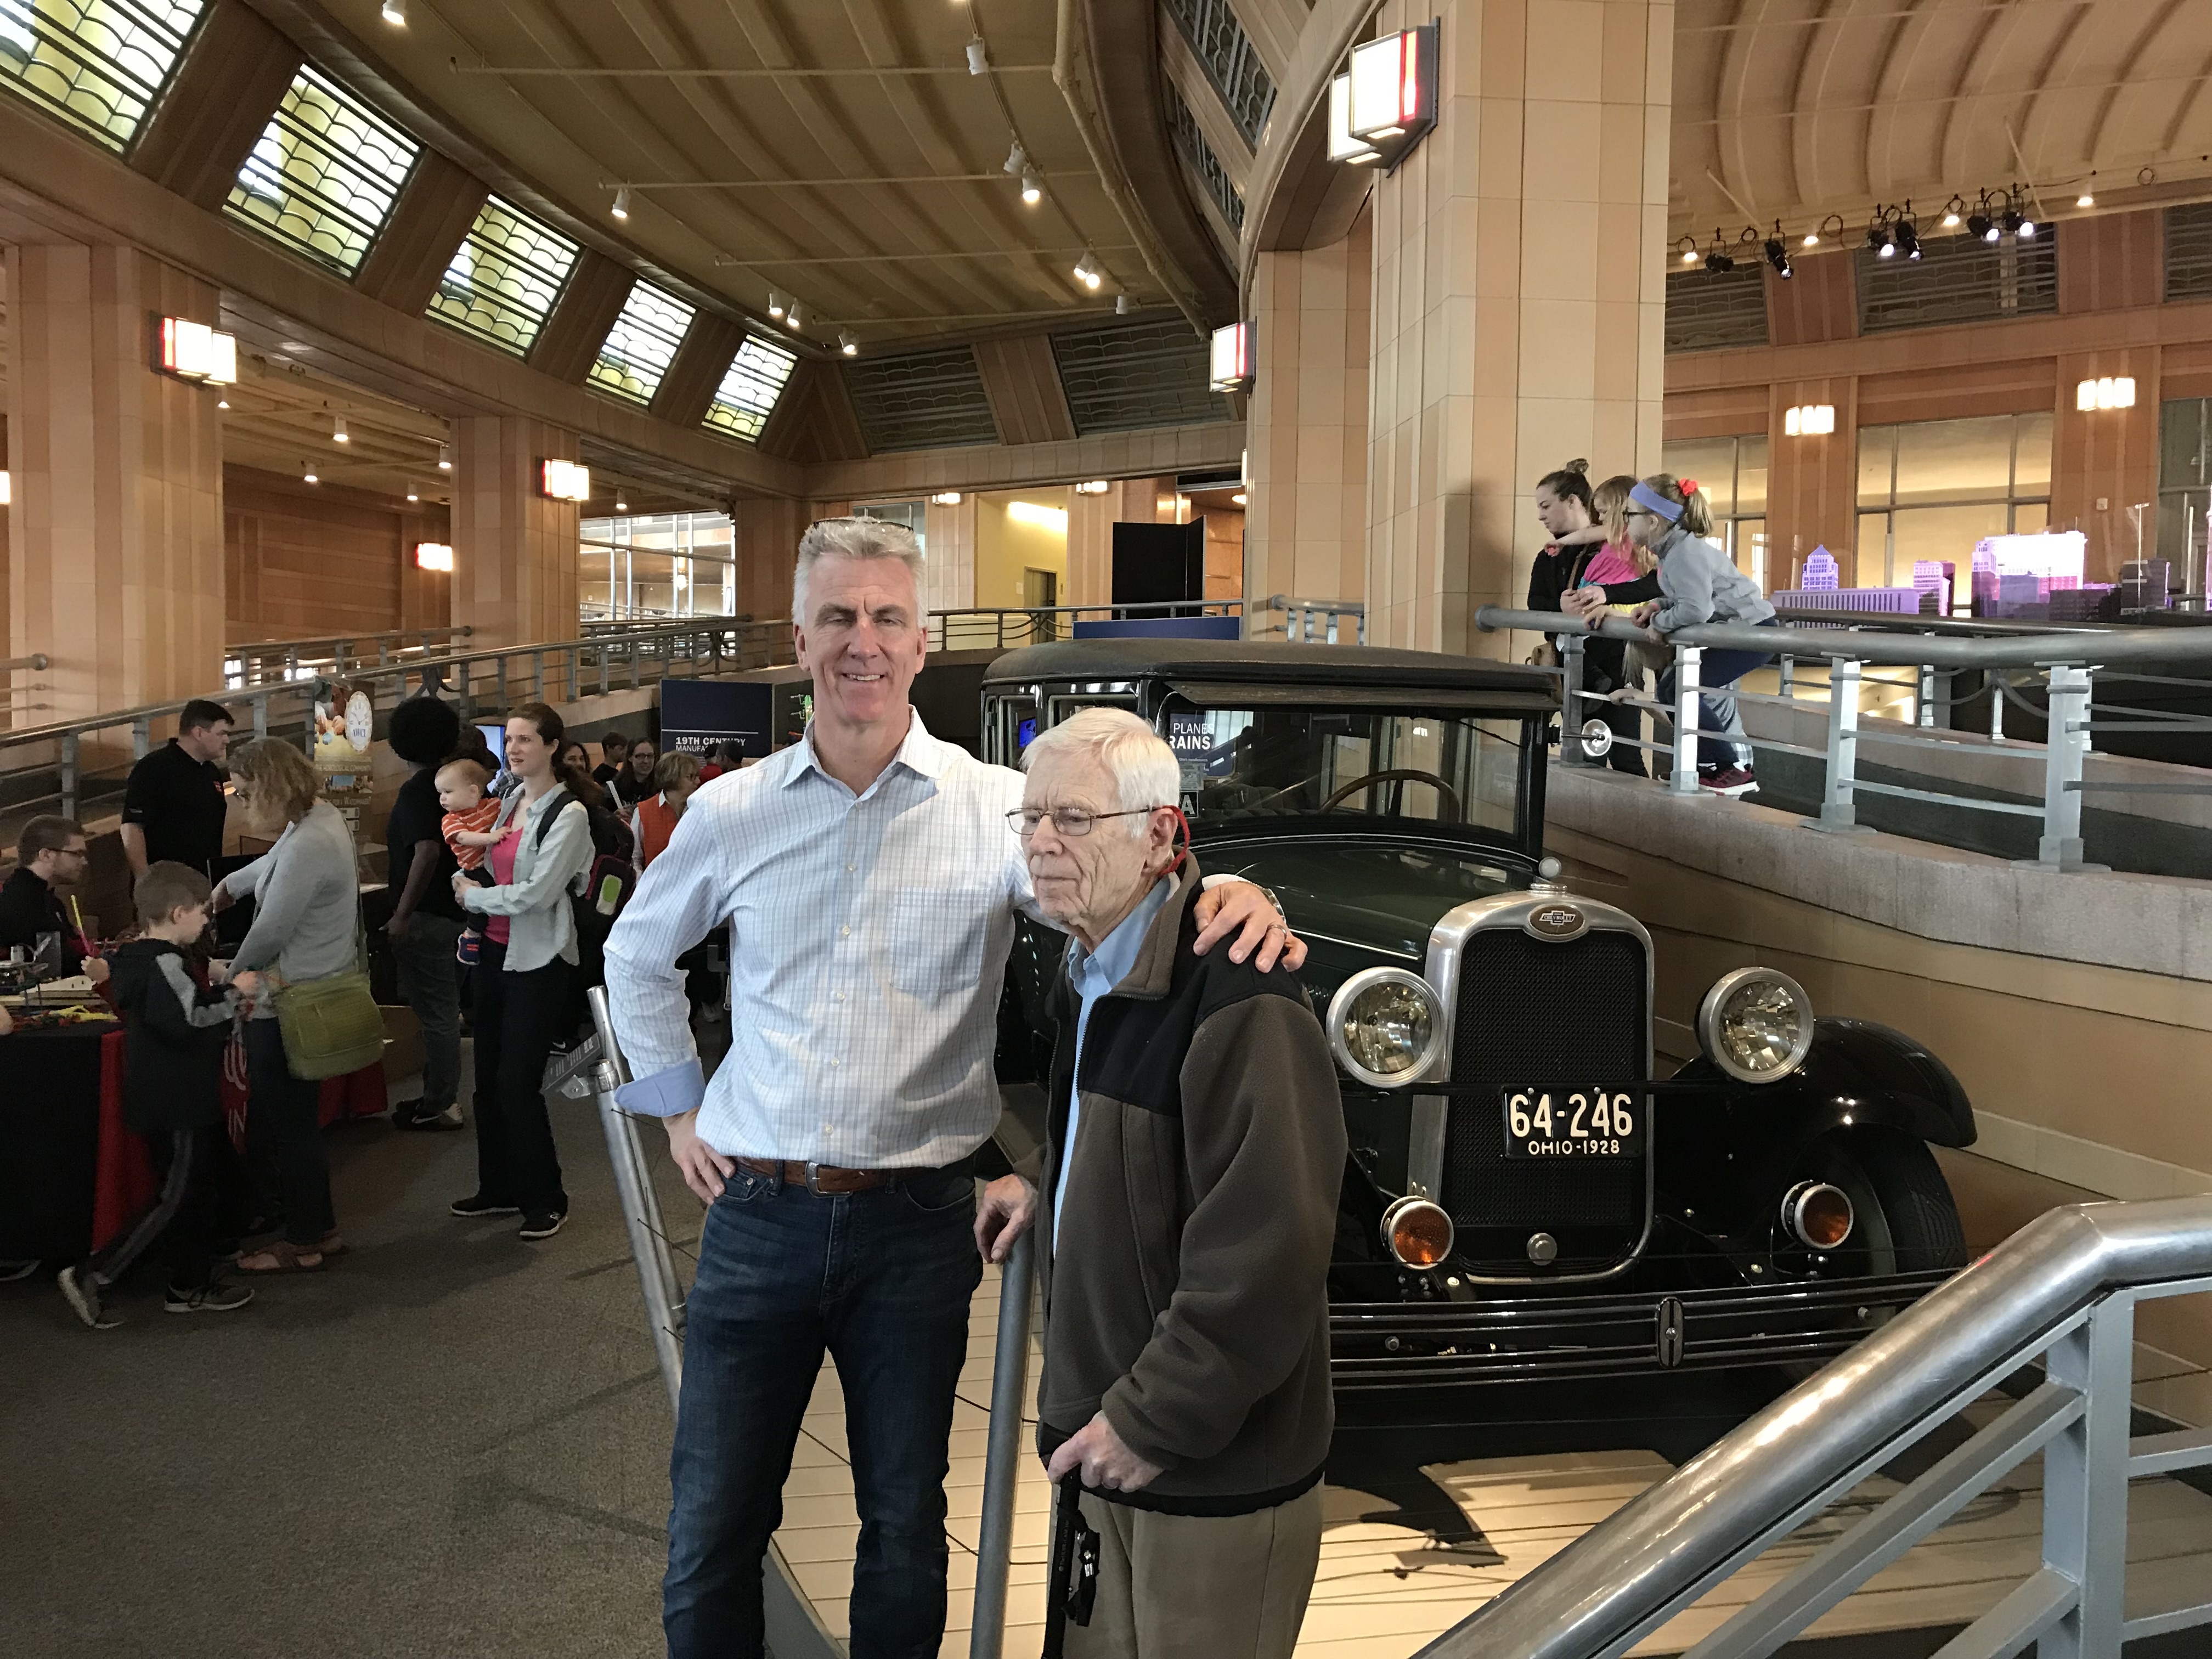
(452,1442)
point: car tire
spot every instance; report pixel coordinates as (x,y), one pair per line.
(1907,1220)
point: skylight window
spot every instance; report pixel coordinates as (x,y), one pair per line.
(504,278)
(641,344)
(749,390)
(324,174)
(97,65)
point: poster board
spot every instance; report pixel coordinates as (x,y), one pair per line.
(696,715)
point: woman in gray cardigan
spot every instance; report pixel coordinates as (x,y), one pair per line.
(307,896)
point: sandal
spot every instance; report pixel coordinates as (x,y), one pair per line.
(331,1244)
(281,1256)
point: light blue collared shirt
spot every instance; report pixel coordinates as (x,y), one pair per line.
(1093,973)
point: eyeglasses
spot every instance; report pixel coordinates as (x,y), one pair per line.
(1069,821)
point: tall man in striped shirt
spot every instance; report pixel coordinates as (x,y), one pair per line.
(870,878)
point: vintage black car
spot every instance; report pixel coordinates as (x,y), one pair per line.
(1526,1198)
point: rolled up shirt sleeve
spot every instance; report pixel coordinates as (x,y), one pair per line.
(678,898)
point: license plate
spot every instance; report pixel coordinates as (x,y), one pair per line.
(1543,1122)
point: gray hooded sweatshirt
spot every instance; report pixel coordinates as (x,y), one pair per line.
(1699,583)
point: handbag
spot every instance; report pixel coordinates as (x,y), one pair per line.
(332,1026)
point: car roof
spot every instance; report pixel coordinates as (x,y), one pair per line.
(1271,662)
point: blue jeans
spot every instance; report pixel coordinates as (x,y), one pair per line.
(882,1279)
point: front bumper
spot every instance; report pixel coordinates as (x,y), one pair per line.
(1541,1337)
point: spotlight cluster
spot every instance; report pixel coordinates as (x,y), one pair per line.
(1892,232)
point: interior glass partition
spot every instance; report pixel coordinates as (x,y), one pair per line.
(661,567)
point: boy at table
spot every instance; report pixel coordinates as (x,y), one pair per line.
(174,1032)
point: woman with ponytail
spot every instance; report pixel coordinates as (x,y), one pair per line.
(526,972)
(1579,554)
(1698,583)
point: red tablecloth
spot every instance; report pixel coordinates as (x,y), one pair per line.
(125,1180)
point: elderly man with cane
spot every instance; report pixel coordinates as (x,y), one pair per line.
(1190,1182)
(870,881)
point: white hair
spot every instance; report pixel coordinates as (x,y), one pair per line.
(853,539)
(1145,771)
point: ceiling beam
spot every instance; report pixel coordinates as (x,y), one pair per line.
(233,74)
(426,225)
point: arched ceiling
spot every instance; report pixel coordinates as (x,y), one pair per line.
(1793,109)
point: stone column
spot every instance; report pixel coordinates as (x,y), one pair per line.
(514,551)
(1305,531)
(1520,298)
(115,563)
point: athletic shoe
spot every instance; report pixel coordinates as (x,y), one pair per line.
(477,1206)
(81,1287)
(542,1226)
(409,1114)
(214,1297)
(12,1271)
(1728,780)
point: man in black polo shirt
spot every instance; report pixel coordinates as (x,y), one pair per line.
(172,806)
(425,922)
(50,853)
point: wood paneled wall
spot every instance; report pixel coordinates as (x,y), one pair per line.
(300,560)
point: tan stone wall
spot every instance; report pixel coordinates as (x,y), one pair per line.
(515,552)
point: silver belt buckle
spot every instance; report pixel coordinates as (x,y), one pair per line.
(814,1178)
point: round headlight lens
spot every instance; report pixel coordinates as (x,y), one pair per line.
(1756,1024)
(1385,1027)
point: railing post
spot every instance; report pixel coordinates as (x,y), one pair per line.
(1786,670)
(576,692)
(1923,697)
(1571,688)
(1995,677)
(142,736)
(537,676)
(1003,1455)
(2084,1480)
(291,664)
(261,715)
(1688,659)
(2067,702)
(1837,810)
(71,740)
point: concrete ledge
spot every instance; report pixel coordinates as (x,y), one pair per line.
(2150,924)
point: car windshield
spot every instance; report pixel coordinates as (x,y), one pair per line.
(1274,761)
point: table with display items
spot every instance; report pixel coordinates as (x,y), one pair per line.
(72,1175)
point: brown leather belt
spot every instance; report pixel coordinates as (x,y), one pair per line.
(820,1177)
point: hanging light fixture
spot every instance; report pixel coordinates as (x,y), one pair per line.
(622,504)
(1878,237)
(1906,234)
(1689,246)
(1952,210)
(1018,158)
(1717,259)
(1087,271)
(1777,255)
(308,474)
(846,344)
(794,318)
(1980,223)
(621,203)
(2087,199)
(413,496)
(1032,187)
(776,305)
(979,61)
(445,457)
(338,434)
(1121,306)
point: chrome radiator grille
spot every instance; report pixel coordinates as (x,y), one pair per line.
(1535,1012)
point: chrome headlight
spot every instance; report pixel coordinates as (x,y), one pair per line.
(1385,1027)
(1756,1024)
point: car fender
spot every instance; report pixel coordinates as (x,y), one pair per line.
(1740,1139)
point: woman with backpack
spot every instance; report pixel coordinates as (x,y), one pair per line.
(526,973)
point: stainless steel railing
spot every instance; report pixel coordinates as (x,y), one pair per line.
(1331,622)
(2061,1293)
(2067,661)
(662,1291)
(260,662)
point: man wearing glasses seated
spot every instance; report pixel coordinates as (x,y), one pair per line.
(50,853)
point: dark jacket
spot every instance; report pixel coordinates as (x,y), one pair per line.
(28,908)
(1192,1304)
(1556,572)
(174,1032)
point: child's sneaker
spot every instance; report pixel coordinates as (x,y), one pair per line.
(214,1297)
(82,1286)
(1728,780)
(469,947)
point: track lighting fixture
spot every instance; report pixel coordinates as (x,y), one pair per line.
(338,434)
(979,62)
(1032,187)
(621,203)
(1907,235)
(794,318)
(1952,210)
(1878,238)
(1087,271)
(308,474)
(621,504)
(1016,158)
(776,305)
(1121,306)
(1717,261)
(395,13)
(2016,223)
(1777,255)
(2087,199)
(413,496)
(846,344)
(1979,224)
(445,457)
(1689,246)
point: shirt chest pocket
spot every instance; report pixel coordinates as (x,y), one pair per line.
(937,939)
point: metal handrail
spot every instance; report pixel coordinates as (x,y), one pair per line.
(2064,1286)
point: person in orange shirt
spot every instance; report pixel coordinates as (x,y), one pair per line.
(675,777)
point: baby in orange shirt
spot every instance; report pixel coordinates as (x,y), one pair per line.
(467,829)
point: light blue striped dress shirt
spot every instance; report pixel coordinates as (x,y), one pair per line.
(868,945)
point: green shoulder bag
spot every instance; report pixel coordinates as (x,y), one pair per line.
(332,1026)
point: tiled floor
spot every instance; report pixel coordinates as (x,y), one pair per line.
(1384,1589)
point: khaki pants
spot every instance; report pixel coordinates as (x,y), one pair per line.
(1199,1587)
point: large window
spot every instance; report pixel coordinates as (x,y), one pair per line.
(657,567)
(747,395)
(641,344)
(323,174)
(98,64)
(1933,489)
(1732,473)
(504,278)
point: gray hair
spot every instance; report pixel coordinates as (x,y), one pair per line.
(853,539)
(1145,771)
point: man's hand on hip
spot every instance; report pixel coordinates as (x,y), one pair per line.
(1240,908)
(704,1169)
(1008,1206)
(1107,1463)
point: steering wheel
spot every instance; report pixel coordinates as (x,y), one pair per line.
(1447,797)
